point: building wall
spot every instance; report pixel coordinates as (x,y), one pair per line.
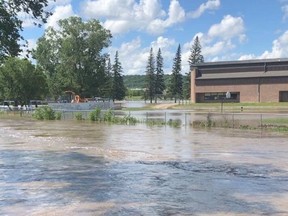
(261,80)
(251,89)
(248,88)
(271,87)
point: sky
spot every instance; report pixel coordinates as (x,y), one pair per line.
(228,30)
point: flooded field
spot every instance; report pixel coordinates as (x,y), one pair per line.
(82,168)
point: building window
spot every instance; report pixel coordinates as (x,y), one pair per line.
(217,96)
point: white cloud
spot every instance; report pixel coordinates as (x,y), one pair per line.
(279,48)
(176,13)
(228,28)
(29,21)
(162,43)
(31,44)
(125,15)
(107,8)
(52,3)
(209,5)
(220,38)
(133,56)
(285,12)
(145,15)
(247,57)
(61,12)
(117,26)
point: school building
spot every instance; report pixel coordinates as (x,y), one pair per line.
(264,80)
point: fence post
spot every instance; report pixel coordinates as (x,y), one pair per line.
(233,119)
(261,121)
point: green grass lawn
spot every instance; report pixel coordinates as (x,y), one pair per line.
(235,106)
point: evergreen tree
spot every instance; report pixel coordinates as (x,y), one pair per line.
(195,57)
(159,81)
(176,82)
(118,88)
(150,76)
(109,78)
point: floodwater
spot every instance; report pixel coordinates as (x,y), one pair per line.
(78,168)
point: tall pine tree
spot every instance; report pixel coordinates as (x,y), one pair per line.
(118,88)
(176,82)
(150,76)
(159,80)
(109,78)
(195,57)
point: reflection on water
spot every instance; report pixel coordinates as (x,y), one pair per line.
(72,168)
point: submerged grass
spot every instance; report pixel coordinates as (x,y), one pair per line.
(271,124)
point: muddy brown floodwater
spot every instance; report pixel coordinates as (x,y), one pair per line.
(81,168)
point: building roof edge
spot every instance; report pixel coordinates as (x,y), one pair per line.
(241,62)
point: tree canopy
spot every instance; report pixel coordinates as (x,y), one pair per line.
(11,25)
(20,80)
(72,56)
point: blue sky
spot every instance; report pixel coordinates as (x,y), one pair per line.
(227,29)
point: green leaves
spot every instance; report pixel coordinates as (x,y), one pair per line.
(11,25)
(20,80)
(73,57)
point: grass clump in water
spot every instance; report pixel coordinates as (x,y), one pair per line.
(78,116)
(95,115)
(46,113)
(109,117)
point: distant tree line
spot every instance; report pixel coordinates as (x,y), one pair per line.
(72,58)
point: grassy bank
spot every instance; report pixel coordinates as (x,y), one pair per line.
(230,107)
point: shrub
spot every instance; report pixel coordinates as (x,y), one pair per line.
(95,115)
(79,116)
(129,120)
(44,113)
(174,123)
(58,115)
(109,116)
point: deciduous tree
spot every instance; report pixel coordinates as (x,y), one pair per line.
(73,58)
(11,24)
(20,80)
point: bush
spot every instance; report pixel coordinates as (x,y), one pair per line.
(58,115)
(79,116)
(95,115)
(129,120)
(109,116)
(44,113)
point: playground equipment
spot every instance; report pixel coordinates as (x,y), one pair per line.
(76,98)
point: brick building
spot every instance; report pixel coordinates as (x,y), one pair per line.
(246,81)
